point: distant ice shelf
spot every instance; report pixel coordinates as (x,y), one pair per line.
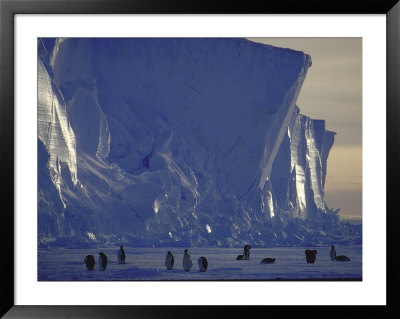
(179,141)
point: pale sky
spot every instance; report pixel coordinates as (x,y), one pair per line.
(332,91)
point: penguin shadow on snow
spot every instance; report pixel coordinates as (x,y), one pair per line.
(74,263)
(135,272)
(342,258)
(268,261)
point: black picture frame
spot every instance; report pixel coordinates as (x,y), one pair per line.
(8,10)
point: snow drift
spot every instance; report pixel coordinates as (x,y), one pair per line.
(179,142)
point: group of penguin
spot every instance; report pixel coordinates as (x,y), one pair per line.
(310,256)
(90,262)
(187,262)
(246,256)
(169,261)
(202,261)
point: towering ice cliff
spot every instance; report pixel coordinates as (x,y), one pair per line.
(178,142)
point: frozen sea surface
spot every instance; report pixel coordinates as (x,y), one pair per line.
(148,264)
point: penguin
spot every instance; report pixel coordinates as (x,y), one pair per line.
(268,261)
(332,253)
(121,255)
(102,261)
(203,264)
(342,258)
(187,261)
(89,261)
(169,261)
(239,257)
(246,252)
(310,255)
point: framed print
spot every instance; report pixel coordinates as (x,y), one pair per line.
(172,155)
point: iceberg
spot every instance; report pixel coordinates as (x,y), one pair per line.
(178,141)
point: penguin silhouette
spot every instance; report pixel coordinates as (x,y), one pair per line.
(246,252)
(169,261)
(89,261)
(187,261)
(102,261)
(121,255)
(310,255)
(203,264)
(332,253)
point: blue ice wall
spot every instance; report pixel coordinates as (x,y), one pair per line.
(176,142)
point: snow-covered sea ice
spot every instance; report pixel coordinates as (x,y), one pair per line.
(149,264)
